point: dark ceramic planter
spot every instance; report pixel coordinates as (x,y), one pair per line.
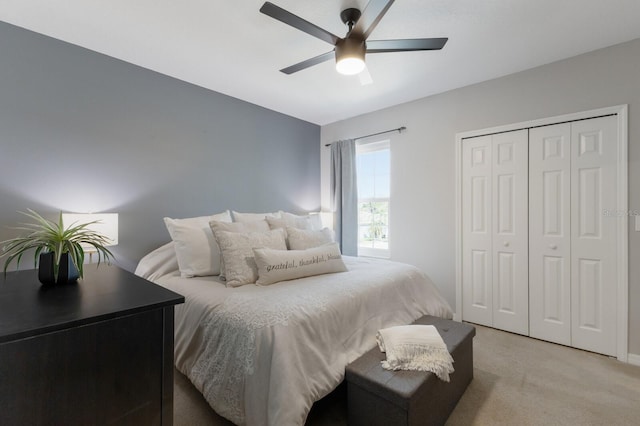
(67,273)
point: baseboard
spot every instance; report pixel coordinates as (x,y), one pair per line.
(633,359)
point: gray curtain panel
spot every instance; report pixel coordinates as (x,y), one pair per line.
(344,195)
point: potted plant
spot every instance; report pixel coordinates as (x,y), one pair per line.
(58,251)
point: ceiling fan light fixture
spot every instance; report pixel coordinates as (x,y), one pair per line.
(350,56)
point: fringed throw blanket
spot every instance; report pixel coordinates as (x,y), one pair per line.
(415,347)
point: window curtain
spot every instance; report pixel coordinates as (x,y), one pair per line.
(344,195)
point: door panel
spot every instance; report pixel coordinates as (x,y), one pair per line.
(593,240)
(480,279)
(552,290)
(550,233)
(477,291)
(510,236)
(589,204)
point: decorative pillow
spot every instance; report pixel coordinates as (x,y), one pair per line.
(302,239)
(237,252)
(197,252)
(250,217)
(238,227)
(315,220)
(282,265)
(284,223)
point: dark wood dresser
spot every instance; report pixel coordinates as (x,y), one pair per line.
(92,353)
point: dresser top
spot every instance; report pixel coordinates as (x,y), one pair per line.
(27,308)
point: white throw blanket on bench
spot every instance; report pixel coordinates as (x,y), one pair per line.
(415,347)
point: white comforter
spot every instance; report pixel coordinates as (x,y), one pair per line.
(263,355)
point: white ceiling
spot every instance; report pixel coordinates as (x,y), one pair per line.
(229,47)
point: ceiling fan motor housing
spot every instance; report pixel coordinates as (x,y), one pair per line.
(351,49)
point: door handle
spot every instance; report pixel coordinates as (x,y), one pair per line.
(553,246)
(506,243)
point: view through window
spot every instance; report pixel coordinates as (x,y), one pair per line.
(373,169)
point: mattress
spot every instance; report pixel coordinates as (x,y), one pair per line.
(262,355)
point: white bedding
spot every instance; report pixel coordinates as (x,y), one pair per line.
(263,355)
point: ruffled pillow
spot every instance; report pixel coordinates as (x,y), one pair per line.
(302,239)
(238,227)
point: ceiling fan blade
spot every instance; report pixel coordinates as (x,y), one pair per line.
(371,15)
(289,18)
(406,45)
(308,63)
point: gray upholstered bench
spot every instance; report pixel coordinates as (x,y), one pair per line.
(380,397)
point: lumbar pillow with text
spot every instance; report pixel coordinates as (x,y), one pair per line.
(237,227)
(197,252)
(302,239)
(237,253)
(282,265)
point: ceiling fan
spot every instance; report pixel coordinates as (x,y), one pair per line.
(349,51)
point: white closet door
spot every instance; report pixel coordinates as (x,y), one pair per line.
(477,292)
(593,234)
(550,233)
(510,232)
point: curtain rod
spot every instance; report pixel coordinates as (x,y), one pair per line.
(399,130)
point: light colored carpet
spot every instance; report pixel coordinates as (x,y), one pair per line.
(517,381)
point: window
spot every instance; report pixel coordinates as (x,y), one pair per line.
(373,169)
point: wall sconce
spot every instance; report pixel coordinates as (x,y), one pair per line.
(107,225)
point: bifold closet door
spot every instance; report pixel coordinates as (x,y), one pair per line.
(477,287)
(550,233)
(593,234)
(510,232)
(495,231)
(573,276)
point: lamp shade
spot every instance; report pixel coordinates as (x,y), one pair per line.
(107,224)
(350,56)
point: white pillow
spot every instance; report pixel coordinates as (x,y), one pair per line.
(297,222)
(315,220)
(282,265)
(237,252)
(158,263)
(249,217)
(196,249)
(241,227)
(302,239)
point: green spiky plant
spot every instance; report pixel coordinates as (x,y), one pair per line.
(44,236)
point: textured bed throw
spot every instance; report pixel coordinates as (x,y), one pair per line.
(415,347)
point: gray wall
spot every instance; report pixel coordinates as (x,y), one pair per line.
(423,158)
(83,132)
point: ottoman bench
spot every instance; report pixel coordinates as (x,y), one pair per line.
(381,397)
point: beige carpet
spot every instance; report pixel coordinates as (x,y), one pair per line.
(518,381)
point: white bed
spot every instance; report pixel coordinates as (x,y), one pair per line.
(264,355)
